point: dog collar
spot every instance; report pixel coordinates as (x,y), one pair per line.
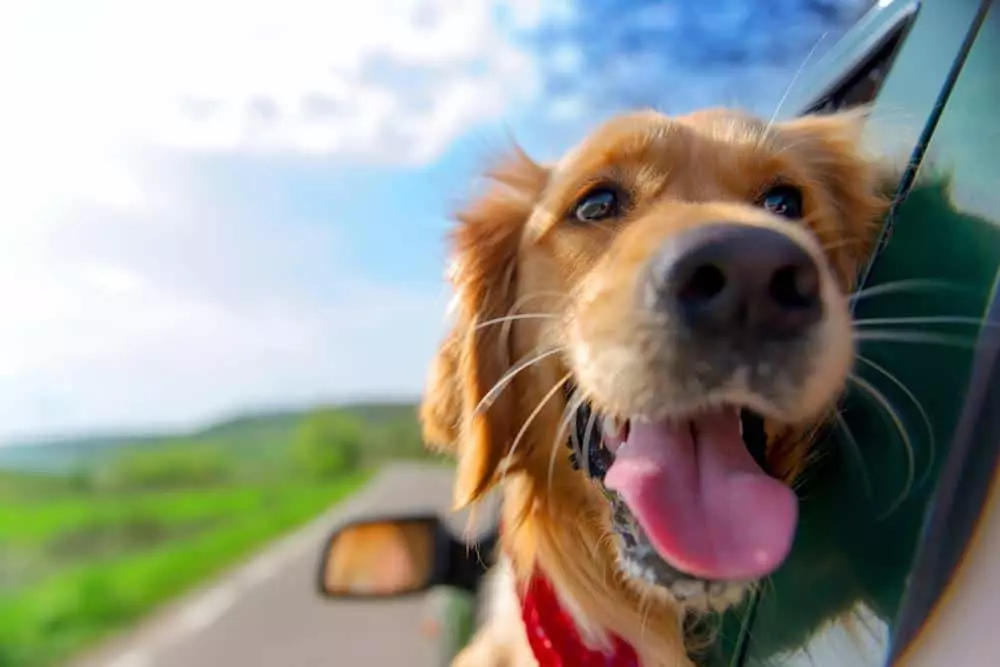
(553,635)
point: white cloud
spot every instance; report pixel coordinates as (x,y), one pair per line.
(125,300)
(261,74)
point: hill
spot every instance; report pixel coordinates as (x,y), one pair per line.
(253,435)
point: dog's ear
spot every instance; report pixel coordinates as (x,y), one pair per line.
(441,409)
(467,408)
(836,148)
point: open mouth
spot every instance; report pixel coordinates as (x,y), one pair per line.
(694,491)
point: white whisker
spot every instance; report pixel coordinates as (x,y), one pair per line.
(795,78)
(914,338)
(903,285)
(505,331)
(930,319)
(531,418)
(856,454)
(890,412)
(931,444)
(572,405)
(501,384)
(510,318)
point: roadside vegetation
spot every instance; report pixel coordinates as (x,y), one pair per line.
(88,548)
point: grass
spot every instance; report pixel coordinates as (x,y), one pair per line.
(66,590)
(96,532)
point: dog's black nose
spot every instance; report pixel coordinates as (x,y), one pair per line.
(736,279)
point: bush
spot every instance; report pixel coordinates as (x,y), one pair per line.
(166,467)
(328,443)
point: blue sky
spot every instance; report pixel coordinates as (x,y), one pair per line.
(218,205)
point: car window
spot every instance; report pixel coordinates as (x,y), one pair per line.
(963,151)
(836,621)
(837,598)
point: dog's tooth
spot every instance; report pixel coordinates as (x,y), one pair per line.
(686,588)
(612,426)
(739,420)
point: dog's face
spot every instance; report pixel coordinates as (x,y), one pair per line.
(676,289)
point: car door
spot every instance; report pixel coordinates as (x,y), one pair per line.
(886,513)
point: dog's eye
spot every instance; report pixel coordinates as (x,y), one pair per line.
(783,200)
(597,205)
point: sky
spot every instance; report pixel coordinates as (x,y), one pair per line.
(215,206)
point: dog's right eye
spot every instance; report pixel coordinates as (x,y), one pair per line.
(597,205)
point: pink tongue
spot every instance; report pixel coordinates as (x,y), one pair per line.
(703,502)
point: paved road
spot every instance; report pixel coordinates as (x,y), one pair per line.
(266,612)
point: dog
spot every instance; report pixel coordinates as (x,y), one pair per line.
(647,335)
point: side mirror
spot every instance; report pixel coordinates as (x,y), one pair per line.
(391,557)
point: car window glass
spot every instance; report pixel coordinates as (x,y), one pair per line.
(857,538)
(963,157)
(857,544)
(763,633)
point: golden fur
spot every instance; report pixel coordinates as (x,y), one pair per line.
(515,254)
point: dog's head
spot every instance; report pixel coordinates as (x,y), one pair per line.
(671,300)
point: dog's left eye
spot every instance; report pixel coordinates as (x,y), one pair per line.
(783,200)
(597,205)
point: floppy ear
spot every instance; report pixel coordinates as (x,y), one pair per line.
(462,412)
(833,144)
(441,409)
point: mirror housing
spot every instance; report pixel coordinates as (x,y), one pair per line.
(391,557)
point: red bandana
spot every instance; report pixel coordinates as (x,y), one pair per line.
(554,638)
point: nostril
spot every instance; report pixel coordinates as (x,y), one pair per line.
(747,283)
(705,283)
(795,287)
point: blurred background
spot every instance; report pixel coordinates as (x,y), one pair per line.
(221,260)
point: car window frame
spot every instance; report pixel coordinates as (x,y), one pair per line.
(851,54)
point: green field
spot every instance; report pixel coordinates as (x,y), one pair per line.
(87,549)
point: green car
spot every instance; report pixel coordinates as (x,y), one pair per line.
(887,516)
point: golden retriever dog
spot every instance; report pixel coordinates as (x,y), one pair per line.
(647,335)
